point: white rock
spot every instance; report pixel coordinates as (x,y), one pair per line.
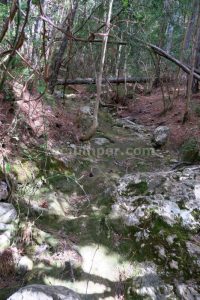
(161,135)
(25,264)
(44,292)
(161,251)
(170,239)
(197,192)
(7,213)
(3,190)
(4,242)
(193,248)
(101,141)
(187,292)
(140,235)
(149,285)
(7,227)
(86,110)
(166,193)
(173,265)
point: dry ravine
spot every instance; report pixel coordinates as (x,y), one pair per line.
(108,219)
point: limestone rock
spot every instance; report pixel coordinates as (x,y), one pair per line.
(173,265)
(170,195)
(149,285)
(3,190)
(25,264)
(187,291)
(86,110)
(101,141)
(161,135)
(7,213)
(4,242)
(44,292)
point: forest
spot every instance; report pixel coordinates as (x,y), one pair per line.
(99,149)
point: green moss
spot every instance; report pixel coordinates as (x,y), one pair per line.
(5,293)
(196,214)
(136,189)
(178,230)
(41,236)
(132,295)
(25,171)
(8,93)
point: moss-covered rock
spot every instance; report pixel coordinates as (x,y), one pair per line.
(25,171)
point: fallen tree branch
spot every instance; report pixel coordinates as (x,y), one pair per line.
(166,55)
(163,53)
(110,80)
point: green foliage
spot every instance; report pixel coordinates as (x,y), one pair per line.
(135,189)
(36,2)
(190,150)
(197,111)
(3,12)
(41,86)
(8,94)
(8,168)
(125,3)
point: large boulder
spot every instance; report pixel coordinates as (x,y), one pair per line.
(161,135)
(172,196)
(162,210)
(44,292)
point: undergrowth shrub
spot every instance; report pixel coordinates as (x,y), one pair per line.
(7,266)
(190,150)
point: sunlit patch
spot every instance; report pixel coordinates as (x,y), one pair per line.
(82,287)
(100,261)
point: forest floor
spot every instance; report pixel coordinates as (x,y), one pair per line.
(64,192)
(60,124)
(147,110)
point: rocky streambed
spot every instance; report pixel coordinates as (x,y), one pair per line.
(108,219)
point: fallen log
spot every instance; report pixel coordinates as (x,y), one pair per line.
(166,55)
(109,80)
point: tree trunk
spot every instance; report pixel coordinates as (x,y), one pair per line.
(99,79)
(193,61)
(195,83)
(8,21)
(57,60)
(184,47)
(191,25)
